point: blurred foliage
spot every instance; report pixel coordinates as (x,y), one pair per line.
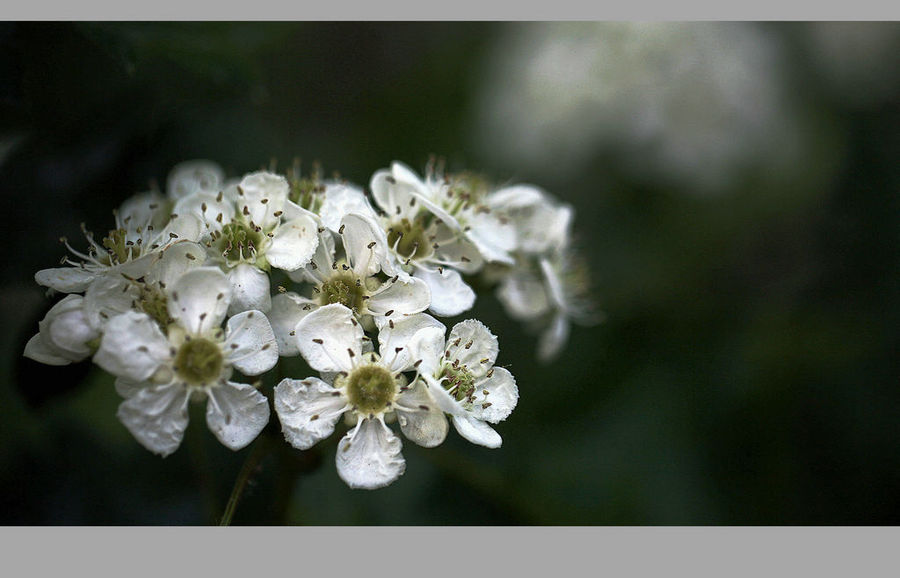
(746,373)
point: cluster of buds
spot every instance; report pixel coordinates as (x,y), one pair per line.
(178,298)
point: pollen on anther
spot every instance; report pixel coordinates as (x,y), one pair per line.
(319,341)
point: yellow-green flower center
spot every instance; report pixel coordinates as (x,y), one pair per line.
(370,388)
(410,238)
(460,382)
(344,288)
(198,362)
(153,302)
(239,242)
(118,248)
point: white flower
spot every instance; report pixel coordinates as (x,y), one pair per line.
(462,379)
(194,176)
(64,335)
(250,228)
(549,294)
(541,223)
(128,249)
(428,242)
(159,372)
(355,282)
(114,293)
(368,386)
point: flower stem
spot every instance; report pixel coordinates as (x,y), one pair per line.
(259,451)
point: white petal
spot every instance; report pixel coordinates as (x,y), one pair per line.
(286,312)
(342,199)
(365,244)
(450,295)
(109,295)
(207,207)
(194,176)
(368,457)
(294,244)
(199,299)
(264,194)
(127,388)
(327,336)
(427,345)
(515,197)
(551,341)
(249,289)
(554,284)
(37,350)
(175,261)
(308,410)
(401,335)
(403,297)
(132,347)
(502,396)
(523,296)
(473,345)
(179,228)
(236,413)
(142,209)
(250,344)
(392,196)
(70,331)
(460,254)
(420,418)
(493,238)
(65,279)
(476,431)
(157,417)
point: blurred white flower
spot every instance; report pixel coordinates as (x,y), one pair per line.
(858,60)
(688,102)
(160,371)
(367,386)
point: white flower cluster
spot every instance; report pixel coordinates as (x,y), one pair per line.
(178,296)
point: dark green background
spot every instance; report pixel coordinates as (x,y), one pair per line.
(746,373)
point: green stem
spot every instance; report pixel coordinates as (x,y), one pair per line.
(260,449)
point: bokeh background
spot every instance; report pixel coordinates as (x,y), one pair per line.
(737,200)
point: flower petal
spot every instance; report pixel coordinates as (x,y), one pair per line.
(109,295)
(294,244)
(368,457)
(37,350)
(250,344)
(500,399)
(402,297)
(207,206)
(286,312)
(308,410)
(249,289)
(421,420)
(523,296)
(342,199)
(401,336)
(473,345)
(236,413)
(194,176)
(551,341)
(450,295)
(427,345)
(329,337)
(476,431)
(132,347)
(65,279)
(493,238)
(176,260)
(199,299)
(260,196)
(394,196)
(157,417)
(365,244)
